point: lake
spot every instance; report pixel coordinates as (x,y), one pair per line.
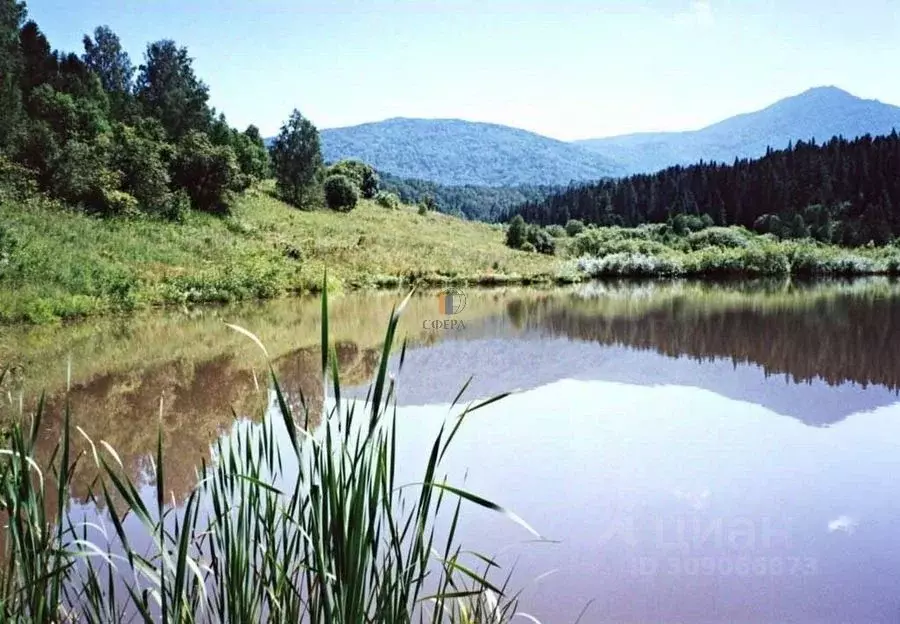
(703,452)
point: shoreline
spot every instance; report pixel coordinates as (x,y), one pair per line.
(434,283)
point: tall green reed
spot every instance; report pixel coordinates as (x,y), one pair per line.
(313,530)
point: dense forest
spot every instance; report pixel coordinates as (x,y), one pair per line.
(456,152)
(480,203)
(97,132)
(842,191)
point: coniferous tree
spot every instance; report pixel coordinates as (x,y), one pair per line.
(12,14)
(39,63)
(297,160)
(168,89)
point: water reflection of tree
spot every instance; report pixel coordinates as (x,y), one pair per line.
(199,403)
(844,339)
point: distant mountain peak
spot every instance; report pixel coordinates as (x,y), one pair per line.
(826,89)
(820,112)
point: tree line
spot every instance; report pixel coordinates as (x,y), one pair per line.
(102,134)
(96,131)
(843,191)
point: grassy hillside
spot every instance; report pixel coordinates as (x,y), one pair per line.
(456,152)
(56,263)
(819,113)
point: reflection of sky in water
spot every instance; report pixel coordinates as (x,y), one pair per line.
(662,496)
(672,503)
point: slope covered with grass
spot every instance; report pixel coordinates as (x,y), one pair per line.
(55,263)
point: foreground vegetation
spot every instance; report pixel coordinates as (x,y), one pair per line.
(56,263)
(337,541)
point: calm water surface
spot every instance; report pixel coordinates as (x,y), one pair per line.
(696,452)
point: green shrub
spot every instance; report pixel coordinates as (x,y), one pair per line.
(527,246)
(767,260)
(605,241)
(541,240)
(717,237)
(387,200)
(8,244)
(769,224)
(144,174)
(251,153)
(340,193)
(363,176)
(429,202)
(79,175)
(120,203)
(207,172)
(17,183)
(556,230)
(657,231)
(737,261)
(178,206)
(423,210)
(808,259)
(574,227)
(687,223)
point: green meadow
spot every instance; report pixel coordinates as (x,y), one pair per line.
(61,264)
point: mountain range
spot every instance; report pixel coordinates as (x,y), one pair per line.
(820,113)
(457,152)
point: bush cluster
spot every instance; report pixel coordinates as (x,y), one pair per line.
(520,235)
(659,250)
(387,200)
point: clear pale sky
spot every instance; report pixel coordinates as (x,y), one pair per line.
(565,68)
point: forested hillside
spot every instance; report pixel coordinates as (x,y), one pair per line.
(456,152)
(482,203)
(843,191)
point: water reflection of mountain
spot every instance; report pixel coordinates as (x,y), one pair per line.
(816,363)
(436,374)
